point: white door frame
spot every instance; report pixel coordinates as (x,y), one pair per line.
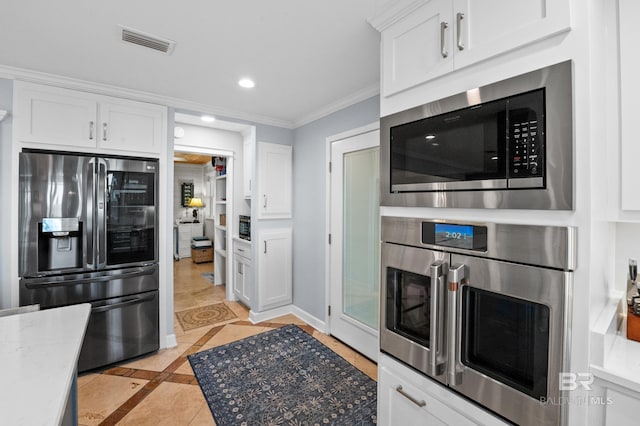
(327,226)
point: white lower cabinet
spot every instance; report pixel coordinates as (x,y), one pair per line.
(275,269)
(408,398)
(611,403)
(242,272)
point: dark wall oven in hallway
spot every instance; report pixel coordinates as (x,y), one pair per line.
(482,308)
(89,234)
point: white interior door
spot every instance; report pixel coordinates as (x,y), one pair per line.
(355,242)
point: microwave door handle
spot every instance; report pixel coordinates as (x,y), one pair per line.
(101,207)
(438,284)
(456,276)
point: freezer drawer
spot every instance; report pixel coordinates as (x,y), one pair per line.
(119,329)
(62,290)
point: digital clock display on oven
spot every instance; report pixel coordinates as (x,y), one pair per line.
(458,236)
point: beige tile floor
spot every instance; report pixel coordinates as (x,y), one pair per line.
(160,389)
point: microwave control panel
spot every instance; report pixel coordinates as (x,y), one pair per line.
(525,158)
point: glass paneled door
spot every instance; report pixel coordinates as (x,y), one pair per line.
(355,223)
(130,220)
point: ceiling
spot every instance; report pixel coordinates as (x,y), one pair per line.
(305,56)
(190,158)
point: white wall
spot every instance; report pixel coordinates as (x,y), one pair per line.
(187,173)
(627,247)
(6,103)
(309,175)
(206,137)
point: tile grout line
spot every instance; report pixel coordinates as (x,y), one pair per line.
(168,375)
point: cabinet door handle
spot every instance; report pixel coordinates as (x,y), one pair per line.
(443,46)
(459,18)
(91,127)
(420,403)
(265,246)
(104,132)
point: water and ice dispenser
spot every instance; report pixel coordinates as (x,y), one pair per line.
(59,243)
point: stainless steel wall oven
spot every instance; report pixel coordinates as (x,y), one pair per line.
(504,145)
(89,234)
(482,308)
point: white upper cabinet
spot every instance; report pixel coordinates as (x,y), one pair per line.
(440,36)
(130,126)
(629,103)
(55,116)
(50,115)
(274,181)
(418,48)
(247,166)
(485,28)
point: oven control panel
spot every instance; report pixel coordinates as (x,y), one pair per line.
(468,237)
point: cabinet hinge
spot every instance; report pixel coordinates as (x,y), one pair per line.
(329,310)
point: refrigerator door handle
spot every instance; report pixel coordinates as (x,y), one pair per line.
(90,192)
(101,207)
(132,301)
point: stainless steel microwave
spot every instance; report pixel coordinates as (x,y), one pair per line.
(244,229)
(505,145)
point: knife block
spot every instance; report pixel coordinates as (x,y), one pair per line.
(633,325)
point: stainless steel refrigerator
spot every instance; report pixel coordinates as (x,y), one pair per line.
(89,234)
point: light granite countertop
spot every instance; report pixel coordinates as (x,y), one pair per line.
(39,355)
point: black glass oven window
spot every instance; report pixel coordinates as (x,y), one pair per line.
(506,339)
(408,305)
(463,145)
(130,217)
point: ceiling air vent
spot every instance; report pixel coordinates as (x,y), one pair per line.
(147,40)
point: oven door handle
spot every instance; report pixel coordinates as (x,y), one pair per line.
(456,277)
(438,273)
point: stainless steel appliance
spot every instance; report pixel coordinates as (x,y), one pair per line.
(88,233)
(244,230)
(482,308)
(504,145)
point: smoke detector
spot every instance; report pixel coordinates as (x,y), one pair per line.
(149,41)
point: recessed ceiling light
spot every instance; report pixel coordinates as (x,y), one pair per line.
(247,83)
(208,118)
(429,137)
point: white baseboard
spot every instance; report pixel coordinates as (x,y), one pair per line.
(170,341)
(256,317)
(310,319)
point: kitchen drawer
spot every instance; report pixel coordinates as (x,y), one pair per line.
(242,249)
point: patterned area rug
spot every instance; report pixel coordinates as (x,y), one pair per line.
(204,315)
(283,376)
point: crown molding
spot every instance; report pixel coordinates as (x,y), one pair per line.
(393,11)
(22,74)
(345,102)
